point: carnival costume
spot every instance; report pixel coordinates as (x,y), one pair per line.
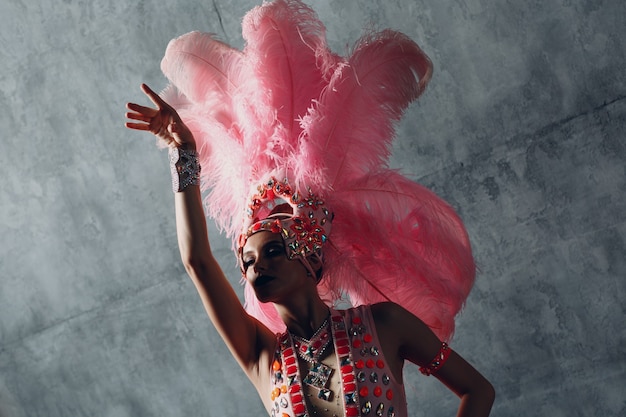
(314,129)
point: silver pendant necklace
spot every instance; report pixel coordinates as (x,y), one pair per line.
(311,351)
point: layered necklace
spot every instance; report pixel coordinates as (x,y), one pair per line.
(311,351)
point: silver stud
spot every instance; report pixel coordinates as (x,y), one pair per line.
(385,379)
(361,376)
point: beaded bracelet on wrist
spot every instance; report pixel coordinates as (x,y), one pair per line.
(185,168)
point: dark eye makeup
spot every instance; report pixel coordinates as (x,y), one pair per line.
(271,250)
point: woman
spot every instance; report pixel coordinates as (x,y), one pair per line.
(303,357)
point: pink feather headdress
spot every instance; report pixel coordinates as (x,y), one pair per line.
(287,106)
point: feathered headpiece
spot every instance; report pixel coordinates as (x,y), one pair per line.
(288,107)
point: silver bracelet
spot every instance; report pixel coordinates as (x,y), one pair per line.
(185,168)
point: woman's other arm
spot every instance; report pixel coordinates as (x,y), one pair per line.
(411,339)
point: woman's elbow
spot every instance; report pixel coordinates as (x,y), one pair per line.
(483,395)
(196,265)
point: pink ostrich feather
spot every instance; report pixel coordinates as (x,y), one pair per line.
(287,104)
(350,128)
(405,244)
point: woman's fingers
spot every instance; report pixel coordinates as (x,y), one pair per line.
(137,126)
(137,108)
(164,122)
(155,98)
(139,116)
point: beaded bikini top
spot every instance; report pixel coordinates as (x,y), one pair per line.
(367,386)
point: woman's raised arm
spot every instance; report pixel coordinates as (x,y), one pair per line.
(245,337)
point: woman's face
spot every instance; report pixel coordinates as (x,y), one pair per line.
(268,269)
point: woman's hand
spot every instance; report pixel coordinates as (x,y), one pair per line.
(164,122)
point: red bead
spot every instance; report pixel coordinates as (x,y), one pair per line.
(378,391)
(346,369)
(364,392)
(380,364)
(367,338)
(290,360)
(370,363)
(288,352)
(356,343)
(299,408)
(389,394)
(294,388)
(349,387)
(360,364)
(343,350)
(348,378)
(352,412)
(297,398)
(291,370)
(342,342)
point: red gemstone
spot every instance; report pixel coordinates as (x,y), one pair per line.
(360,364)
(299,408)
(346,369)
(342,342)
(378,391)
(352,412)
(380,364)
(291,370)
(367,338)
(290,360)
(370,363)
(349,387)
(297,398)
(294,388)
(348,378)
(356,343)
(389,394)
(288,352)
(343,350)
(364,392)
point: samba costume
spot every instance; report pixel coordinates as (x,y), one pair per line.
(367,385)
(314,129)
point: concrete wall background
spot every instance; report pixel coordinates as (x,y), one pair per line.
(521,129)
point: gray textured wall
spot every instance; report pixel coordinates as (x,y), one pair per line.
(521,129)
